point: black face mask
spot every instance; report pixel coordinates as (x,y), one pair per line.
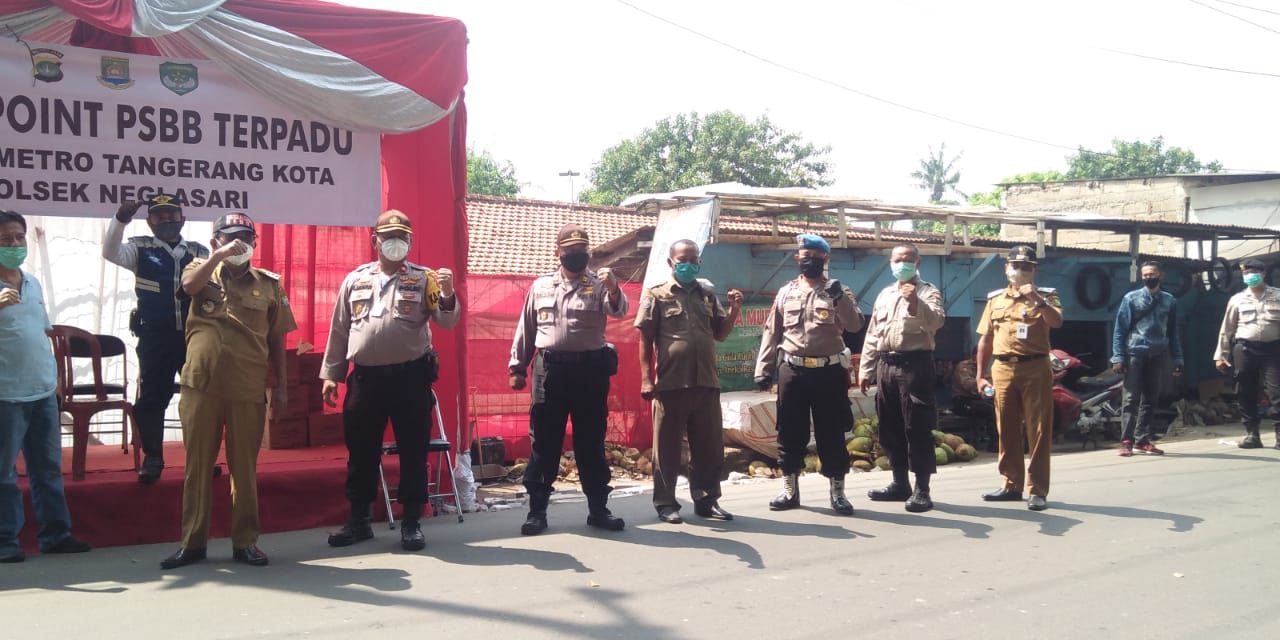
(812,267)
(575,262)
(167,231)
(1151,283)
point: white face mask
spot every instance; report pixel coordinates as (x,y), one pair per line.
(241,259)
(394,249)
(1017,277)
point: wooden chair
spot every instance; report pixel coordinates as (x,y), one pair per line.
(84,401)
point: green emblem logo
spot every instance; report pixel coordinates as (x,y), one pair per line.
(179,77)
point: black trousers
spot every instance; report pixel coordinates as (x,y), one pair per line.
(823,394)
(373,397)
(908,415)
(161,354)
(1142,378)
(1257,368)
(579,391)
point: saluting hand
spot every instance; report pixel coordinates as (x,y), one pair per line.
(735,299)
(329,393)
(9,297)
(444,277)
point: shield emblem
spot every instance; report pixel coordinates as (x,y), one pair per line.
(46,65)
(179,77)
(115,73)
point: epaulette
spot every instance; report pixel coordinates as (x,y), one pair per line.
(995,293)
(707,284)
(270,274)
(366,267)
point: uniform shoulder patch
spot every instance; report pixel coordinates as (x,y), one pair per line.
(994,293)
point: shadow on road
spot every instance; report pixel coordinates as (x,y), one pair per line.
(1177,521)
(1050,524)
(969,529)
(1224,456)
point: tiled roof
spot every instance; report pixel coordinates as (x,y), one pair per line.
(513,236)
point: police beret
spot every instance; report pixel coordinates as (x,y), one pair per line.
(1252,263)
(1022,253)
(571,234)
(234,223)
(393,220)
(162,202)
(813,241)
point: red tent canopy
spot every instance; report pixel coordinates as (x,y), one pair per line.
(402,74)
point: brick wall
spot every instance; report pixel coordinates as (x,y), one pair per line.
(1140,198)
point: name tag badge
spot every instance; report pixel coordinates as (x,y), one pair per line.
(1022,330)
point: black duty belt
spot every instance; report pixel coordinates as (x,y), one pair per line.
(574,357)
(389,370)
(1260,346)
(902,357)
(1016,358)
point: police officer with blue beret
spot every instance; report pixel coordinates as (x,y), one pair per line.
(157,262)
(807,323)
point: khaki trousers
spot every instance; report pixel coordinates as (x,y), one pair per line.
(694,413)
(203,417)
(1024,412)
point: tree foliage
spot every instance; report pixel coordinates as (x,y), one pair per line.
(938,175)
(688,150)
(487,176)
(1137,158)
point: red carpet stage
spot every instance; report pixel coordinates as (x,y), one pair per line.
(297,489)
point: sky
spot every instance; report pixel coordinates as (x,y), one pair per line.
(555,83)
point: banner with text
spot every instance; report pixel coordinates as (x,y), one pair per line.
(736,356)
(690,221)
(82,130)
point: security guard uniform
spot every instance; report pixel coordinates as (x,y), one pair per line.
(158,322)
(898,355)
(563,322)
(1023,381)
(1249,341)
(231,323)
(681,321)
(806,324)
(380,324)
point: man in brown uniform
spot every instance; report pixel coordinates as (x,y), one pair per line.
(380,325)
(239,317)
(563,321)
(683,318)
(1015,331)
(898,355)
(806,323)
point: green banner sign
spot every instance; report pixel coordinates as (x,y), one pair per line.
(736,356)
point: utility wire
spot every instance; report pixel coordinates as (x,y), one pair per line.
(1188,64)
(1240,18)
(1245,6)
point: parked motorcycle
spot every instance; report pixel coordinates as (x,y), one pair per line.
(1086,405)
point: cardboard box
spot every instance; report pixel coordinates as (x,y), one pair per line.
(324,429)
(285,434)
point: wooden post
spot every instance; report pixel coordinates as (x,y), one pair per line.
(844,228)
(951,229)
(1133,255)
(1040,239)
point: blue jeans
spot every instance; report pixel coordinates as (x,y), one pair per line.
(32,428)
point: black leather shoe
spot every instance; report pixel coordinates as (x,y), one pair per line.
(919,502)
(1037,503)
(150,471)
(69,544)
(182,557)
(1003,495)
(411,538)
(533,525)
(605,520)
(252,556)
(711,509)
(12,558)
(895,492)
(1251,441)
(353,531)
(670,515)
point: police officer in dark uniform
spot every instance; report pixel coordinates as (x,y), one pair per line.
(380,323)
(563,321)
(1249,343)
(157,262)
(809,317)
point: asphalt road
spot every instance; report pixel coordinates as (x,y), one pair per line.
(1176,547)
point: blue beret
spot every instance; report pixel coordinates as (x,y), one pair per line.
(813,241)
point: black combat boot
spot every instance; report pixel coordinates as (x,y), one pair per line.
(896,491)
(1251,439)
(790,496)
(537,521)
(411,538)
(357,528)
(600,517)
(838,502)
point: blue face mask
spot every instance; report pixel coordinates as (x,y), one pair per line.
(903,271)
(12,257)
(687,272)
(1252,279)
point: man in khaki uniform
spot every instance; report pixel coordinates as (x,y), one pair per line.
(898,355)
(806,324)
(380,325)
(1249,342)
(1015,331)
(680,321)
(239,317)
